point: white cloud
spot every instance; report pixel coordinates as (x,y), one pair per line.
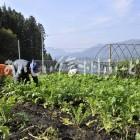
(122,7)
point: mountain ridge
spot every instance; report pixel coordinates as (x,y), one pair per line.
(90,52)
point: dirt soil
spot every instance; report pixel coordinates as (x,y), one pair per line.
(31,122)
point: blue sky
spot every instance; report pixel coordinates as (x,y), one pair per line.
(75,25)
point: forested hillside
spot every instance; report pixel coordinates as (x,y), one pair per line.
(13,27)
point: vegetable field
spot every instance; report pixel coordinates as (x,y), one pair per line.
(80,107)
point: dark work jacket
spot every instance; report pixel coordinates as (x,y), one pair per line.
(21,70)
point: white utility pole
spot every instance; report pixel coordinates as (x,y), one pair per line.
(99,66)
(18,49)
(42,44)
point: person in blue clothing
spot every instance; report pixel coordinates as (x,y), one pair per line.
(22,69)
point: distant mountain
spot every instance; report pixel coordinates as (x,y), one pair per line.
(88,53)
(131,41)
(56,53)
(100,51)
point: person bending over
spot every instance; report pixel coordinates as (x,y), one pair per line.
(22,69)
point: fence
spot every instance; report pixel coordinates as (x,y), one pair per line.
(105,61)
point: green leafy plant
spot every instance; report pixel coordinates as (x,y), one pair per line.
(115,100)
(79,114)
(4,130)
(137,137)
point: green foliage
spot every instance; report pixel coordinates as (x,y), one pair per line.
(4,130)
(79,114)
(129,69)
(5,106)
(14,26)
(123,69)
(137,136)
(8,45)
(115,101)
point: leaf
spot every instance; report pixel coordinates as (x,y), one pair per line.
(137,137)
(132,109)
(5,131)
(66,121)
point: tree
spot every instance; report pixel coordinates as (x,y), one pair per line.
(47,56)
(28,31)
(8,45)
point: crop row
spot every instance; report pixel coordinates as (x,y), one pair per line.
(114,102)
